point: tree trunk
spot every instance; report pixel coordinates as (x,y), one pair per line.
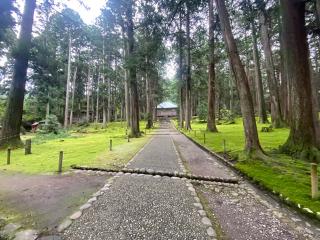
(126,82)
(10,133)
(181,78)
(276,115)
(148,97)
(188,74)
(73,92)
(104,110)
(231,103)
(134,101)
(252,145)
(97,99)
(285,86)
(211,121)
(109,96)
(47,110)
(66,109)
(303,136)
(88,97)
(263,118)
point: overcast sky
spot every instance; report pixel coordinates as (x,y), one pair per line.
(88,15)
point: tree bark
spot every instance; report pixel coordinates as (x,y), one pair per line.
(10,133)
(134,100)
(181,78)
(66,109)
(73,92)
(97,99)
(252,144)
(109,96)
(104,110)
(88,97)
(211,120)
(148,96)
(303,135)
(276,114)
(188,74)
(263,118)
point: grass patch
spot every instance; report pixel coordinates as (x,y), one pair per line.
(89,147)
(290,177)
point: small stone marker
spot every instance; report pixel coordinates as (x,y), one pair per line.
(8,156)
(27,148)
(314,180)
(110,145)
(60,161)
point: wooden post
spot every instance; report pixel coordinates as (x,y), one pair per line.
(224,146)
(60,162)
(8,156)
(110,145)
(128,138)
(204,138)
(27,147)
(314,181)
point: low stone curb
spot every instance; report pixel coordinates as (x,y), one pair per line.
(161,173)
(77,214)
(179,158)
(203,215)
(274,194)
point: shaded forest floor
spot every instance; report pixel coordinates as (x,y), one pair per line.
(283,174)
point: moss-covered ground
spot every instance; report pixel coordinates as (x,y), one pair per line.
(281,173)
(87,146)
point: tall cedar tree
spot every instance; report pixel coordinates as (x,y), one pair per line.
(211,121)
(134,119)
(276,114)
(188,103)
(10,133)
(252,145)
(302,139)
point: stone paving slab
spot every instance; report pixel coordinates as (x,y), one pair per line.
(200,162)
(141,207)
(159,154)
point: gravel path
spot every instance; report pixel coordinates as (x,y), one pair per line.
(141,207)
(144,206)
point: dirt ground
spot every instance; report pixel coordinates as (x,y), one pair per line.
(43,201)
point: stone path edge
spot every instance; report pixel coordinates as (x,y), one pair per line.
(94,197)
(273,194)
(160,173)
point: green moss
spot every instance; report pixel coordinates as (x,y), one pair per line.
(281,173)
(89,149)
